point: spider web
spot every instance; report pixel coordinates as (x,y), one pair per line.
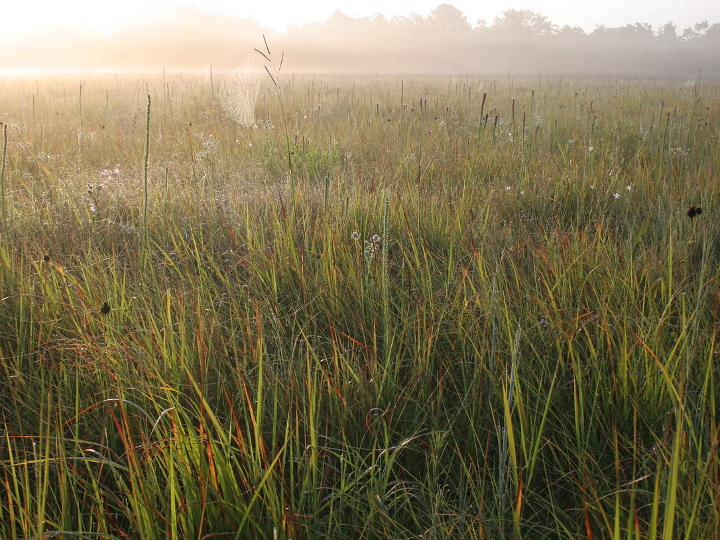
(240,90)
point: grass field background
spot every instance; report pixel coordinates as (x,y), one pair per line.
(389,307)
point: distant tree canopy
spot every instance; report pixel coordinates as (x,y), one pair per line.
(522,41)
(447,20)
(524,22)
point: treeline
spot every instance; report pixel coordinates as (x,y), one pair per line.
(520,41)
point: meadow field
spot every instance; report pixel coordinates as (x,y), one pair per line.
(380,308)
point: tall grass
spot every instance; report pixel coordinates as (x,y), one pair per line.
(518,341)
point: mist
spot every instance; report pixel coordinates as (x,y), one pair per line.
(522,42)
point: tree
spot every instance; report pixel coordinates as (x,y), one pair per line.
(339,20)
(568,31)
(668,31)
(696,31)
(448,20)
(630,31)
(481,24)
(524,21)
(713,32)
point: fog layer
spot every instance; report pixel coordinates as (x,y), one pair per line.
(521,42)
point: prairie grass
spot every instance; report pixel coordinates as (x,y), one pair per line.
(478,309)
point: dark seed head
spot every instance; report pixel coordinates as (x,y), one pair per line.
(46,258)
(694,211)
(105,309)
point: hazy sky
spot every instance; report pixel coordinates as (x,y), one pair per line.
(21,16)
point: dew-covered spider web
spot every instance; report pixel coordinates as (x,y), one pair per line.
(240,90)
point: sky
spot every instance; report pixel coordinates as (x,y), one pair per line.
(20,17)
